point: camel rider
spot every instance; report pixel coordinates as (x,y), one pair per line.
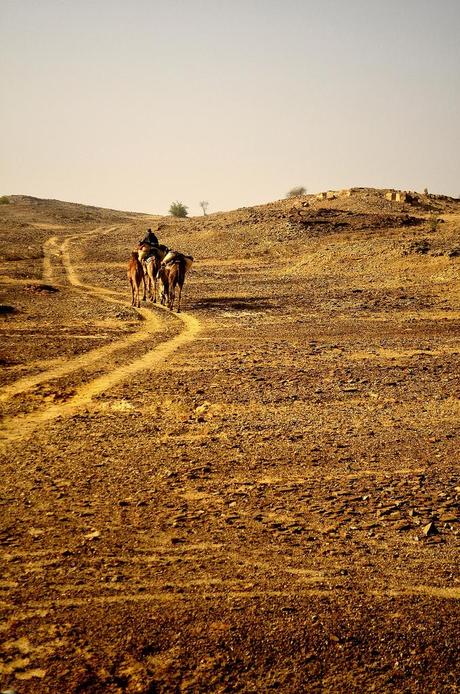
(150,238)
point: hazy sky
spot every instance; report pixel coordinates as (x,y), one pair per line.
(133,104)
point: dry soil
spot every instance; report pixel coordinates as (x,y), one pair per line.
(258,493)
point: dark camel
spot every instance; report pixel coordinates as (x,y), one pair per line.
(172,275)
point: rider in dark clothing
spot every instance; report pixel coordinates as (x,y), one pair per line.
(150,238)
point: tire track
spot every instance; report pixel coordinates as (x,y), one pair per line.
(50,249)
(231,593)
(150,326)
(151,323)
(21,426)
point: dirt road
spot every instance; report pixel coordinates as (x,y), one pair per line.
(259,493)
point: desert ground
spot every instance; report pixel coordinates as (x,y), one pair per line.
(258,493)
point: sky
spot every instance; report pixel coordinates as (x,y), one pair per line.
(135,104)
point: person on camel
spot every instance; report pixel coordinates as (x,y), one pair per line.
(150,238)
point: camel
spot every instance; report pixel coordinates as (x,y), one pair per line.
(151,257)
(172,255)
(171,275)
(163,279)
(136,277)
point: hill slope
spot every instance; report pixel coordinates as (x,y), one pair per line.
(261,492)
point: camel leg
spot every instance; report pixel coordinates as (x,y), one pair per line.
(151,283)
(143,282)
(164,298)
(178,300)
(146,279)
(132,291)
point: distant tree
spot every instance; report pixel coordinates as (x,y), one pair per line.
(204,206)
(177,209)
(4,200)
(296,192)
(425,191)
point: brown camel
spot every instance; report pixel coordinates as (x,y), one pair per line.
(136,277)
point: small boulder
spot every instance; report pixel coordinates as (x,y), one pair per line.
(430,529)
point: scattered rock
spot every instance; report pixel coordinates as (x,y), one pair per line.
(30,674)
(430,529)
(449,518)
(95,535)
(40,288)
(402,525)
(202,409)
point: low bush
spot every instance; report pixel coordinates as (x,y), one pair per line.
(177,209)
(296,192)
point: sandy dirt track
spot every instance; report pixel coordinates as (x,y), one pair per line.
(18,428)
(259,493)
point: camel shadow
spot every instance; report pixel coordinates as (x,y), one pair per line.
(5,309)
(234,303)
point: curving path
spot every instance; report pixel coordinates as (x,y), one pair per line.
(150,325)
(21,426)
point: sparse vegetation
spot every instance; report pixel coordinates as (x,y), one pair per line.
(4,200)
(433,221)
(421,246)
(178,209)
(204,206)
(296,192)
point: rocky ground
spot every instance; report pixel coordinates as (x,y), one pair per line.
(259,493)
